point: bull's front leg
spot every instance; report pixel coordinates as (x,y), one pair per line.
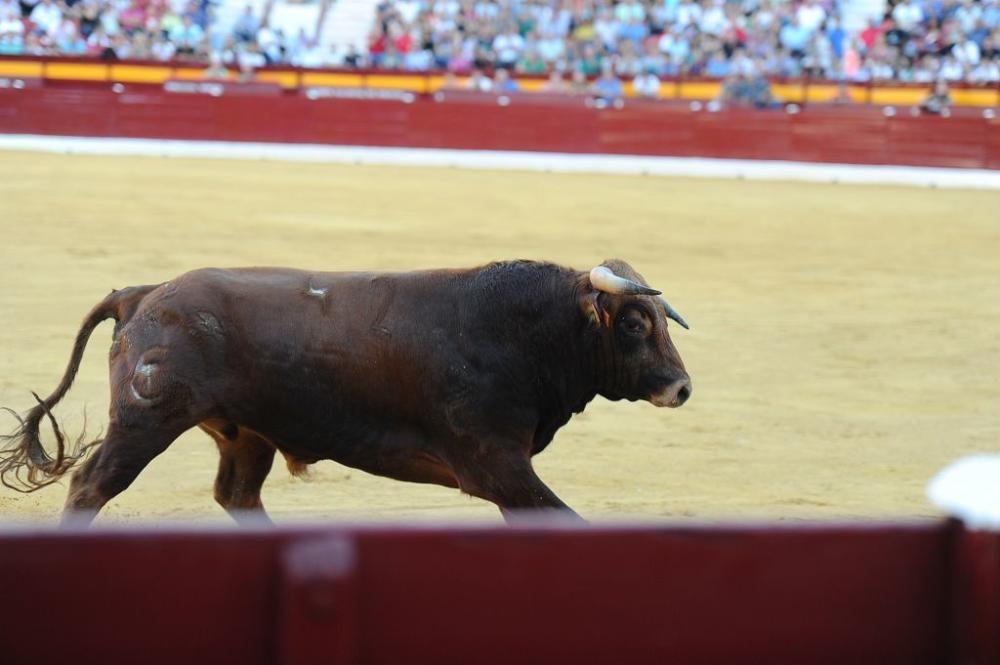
(502,473)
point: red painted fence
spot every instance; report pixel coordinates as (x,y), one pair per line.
(908,594)
(531,121)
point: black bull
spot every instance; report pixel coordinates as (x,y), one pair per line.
(453,377)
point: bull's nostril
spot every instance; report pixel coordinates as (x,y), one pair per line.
(683,394)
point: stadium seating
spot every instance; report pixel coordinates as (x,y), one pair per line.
(912,40)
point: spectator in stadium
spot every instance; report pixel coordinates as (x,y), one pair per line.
(46,16)
(508,47)
(916,40)
(647,84)
(938,101)
(578,84)
(748,91)
(27,6)
(68,39)
(246,25)
(186,37)
(811,15)
(502,82)
(532,63)
(216,68)
(795,37)
(479,82)
(249,58)
(555,82)
(608,86)
(11,31)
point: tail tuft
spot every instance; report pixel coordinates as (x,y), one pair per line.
(25,466)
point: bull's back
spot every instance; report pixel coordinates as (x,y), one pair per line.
(293,353)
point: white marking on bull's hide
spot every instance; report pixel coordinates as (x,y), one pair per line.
(313,291)
(143,377)
(138,398)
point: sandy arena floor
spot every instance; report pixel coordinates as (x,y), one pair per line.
(844,347)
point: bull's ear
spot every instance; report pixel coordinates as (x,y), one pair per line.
(590,308)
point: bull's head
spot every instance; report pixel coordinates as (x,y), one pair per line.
(640,361)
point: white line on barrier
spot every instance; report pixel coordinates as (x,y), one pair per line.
(515,161)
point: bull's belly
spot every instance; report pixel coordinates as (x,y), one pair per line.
(319,423)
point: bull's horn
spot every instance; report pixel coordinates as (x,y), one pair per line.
(672,313)
(605,280)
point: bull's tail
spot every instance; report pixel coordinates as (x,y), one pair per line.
(25,466)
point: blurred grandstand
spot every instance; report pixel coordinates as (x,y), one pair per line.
(851,40)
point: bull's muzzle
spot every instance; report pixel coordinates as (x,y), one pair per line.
(674,395)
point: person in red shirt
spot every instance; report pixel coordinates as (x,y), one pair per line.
(870,34)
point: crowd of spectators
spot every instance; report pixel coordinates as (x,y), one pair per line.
(162,30)
(915,40)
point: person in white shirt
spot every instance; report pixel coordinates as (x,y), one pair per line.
(479,81)
(688,13)
(508,46)
(11,30)
(908,16)
(447,7)
(607,28)
(987,71)
(967,15)
(46,15)
(951,69)
(409,10)
(966,51)
(714,20)
(629,10)
(647,85)
(811,15)
(551,47)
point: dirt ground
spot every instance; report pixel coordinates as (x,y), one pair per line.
(844,342)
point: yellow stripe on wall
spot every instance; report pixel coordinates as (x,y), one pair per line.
(668,90)
(76,71)
(325,79)
(28,68)
(287,80)
(140,74)
(976,97)
(789,92)
(390,82)
(188,73)
(290,79)
(700,90)
(901,96)
(825,93)
(532,85)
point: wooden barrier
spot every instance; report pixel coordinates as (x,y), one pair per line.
(229,111)
(799,90)
(882,594)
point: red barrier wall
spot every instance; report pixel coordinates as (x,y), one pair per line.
(533,122)
(811,595)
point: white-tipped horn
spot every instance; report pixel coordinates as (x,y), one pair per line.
(672,313)
(603,279)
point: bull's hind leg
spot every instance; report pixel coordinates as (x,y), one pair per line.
(244,462)
(111,468)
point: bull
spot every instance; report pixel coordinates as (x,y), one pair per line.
(451,377)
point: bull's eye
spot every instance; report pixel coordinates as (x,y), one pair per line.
(632,323)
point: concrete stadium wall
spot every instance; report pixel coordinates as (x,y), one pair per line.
(528,122)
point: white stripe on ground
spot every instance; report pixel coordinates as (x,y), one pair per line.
(516,161)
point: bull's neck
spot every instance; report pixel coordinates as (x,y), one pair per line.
(569,368)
